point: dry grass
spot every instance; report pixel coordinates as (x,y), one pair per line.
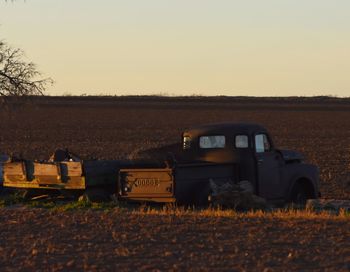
(172,210)
(287,213)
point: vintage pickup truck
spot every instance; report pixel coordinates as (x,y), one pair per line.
(222,153)
(211,154)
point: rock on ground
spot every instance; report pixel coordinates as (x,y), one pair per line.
(238,196)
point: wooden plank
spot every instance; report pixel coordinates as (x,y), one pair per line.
(14,169)
(45,169)
(76,185)
(71,169)
(14,172)
(45,175)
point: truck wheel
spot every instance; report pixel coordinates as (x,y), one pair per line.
(299,195)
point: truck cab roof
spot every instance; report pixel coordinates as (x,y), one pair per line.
(220,142)
(225,128)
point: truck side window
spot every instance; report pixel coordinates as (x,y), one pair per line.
(217,141)
(262,143)
(241,141)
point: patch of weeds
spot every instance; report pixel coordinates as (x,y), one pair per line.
(41,204)
(75,205)
(18,197)
(344,212)
(105,205)
(86,204)
(11,199)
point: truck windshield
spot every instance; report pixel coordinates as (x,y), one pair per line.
(262,143)
(217,141)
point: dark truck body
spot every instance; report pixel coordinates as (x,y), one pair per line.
(185,183)
(224,153)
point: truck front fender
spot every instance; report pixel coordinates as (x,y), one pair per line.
(307,176)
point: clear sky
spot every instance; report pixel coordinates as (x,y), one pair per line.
(185,47)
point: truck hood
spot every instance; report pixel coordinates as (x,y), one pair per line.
(289,155)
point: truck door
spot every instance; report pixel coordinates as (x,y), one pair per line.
(268,168)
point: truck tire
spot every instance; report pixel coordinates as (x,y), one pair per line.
(299,195)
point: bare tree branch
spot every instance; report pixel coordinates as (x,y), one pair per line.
(17,77)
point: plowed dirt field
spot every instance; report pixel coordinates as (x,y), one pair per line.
(41,240)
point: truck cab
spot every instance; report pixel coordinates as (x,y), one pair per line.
(275,174)
(228,152)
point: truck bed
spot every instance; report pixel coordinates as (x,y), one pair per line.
(185,183)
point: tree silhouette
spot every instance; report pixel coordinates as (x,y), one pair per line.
(18,77)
